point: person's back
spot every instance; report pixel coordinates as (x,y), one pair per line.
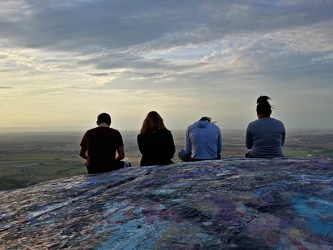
(157,148)
(265,136)
(100,145)
(155,141)
(203,141)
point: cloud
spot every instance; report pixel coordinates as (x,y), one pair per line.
(323,59)
(173,50)
(115,24)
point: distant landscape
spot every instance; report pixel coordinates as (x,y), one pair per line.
(31,157)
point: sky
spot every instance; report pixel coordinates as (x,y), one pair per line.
(64,62)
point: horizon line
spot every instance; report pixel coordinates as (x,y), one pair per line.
(71,129)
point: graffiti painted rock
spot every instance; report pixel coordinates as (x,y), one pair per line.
(226,204)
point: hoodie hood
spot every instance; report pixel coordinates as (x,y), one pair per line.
(202,124)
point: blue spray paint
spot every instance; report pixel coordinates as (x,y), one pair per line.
(318,213)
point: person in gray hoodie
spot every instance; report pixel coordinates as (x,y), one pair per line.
(265,136)
(203,141)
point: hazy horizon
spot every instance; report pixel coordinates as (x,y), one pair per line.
(64,62)
(30,157)
(82,130)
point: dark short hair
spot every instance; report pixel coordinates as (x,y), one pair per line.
(263,106)
(205,118)
(104,117)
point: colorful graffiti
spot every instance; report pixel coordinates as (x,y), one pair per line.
(225,204)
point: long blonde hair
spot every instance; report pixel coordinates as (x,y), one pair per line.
(152,122)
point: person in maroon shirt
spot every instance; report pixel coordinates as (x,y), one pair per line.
(102,147)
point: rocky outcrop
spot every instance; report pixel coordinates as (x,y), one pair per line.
(225,204)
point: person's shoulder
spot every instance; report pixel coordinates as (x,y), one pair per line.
(280,123)
(276,120)
(142,135)
(213,125)
(193,125)
(254,123)
(166,131)
(91,130)
(113,130)
(161,132)
(107,131)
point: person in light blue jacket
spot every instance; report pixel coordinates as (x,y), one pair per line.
(265,136)
(203,141)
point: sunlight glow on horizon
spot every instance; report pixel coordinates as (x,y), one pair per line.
(61,69)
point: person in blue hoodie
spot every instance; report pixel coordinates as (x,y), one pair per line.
(203,141)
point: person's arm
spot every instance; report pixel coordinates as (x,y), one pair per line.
(120,153)
(188,146)
(141,144)
(248,140)
(219,142)
(170,145)
(83,153)
(84,146)
(283,135)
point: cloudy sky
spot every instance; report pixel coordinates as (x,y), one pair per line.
(64,62)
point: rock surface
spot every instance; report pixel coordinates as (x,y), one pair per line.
(226,204)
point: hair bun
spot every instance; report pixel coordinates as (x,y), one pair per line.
(262,98)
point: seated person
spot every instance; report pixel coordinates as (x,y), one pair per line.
(155,141)
(203,141)
(102,147)
(265,136)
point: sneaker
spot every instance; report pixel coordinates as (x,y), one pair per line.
(127,163)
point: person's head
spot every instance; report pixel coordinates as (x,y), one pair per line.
(264,109)
(152,122)
(104,118)
(205,118)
